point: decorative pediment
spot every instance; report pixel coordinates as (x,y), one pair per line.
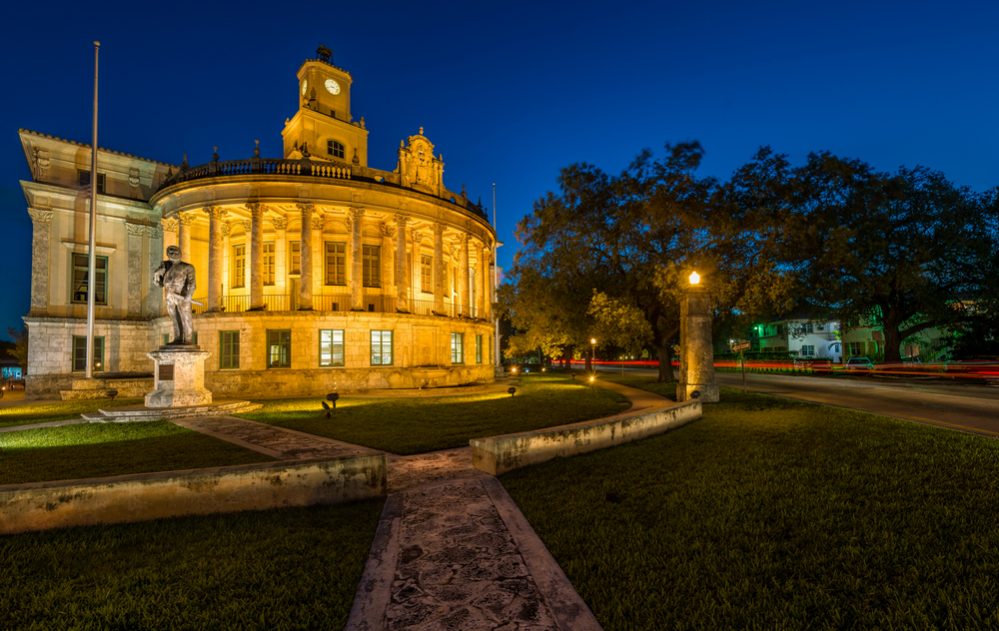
(418,168)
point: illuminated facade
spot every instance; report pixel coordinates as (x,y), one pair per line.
(314,271)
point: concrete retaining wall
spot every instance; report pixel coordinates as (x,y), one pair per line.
(499,454)
(145,496)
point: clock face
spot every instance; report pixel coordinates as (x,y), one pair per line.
(332,86)
(305,86)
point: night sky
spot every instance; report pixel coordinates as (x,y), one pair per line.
(510,92)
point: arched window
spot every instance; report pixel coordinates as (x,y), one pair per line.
(335,149)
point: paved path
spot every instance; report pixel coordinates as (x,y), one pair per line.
(277,442)
(452,550)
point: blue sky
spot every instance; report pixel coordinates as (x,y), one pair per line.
(510,92)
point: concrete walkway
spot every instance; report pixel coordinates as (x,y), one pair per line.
(452,550)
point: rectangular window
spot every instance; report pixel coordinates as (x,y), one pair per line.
(331,347)
(334,148)
(336,263)
(80,353)
(278,348)
(80,265)
(238,265)
(381,348)
(371,259)
(856,348)
(457,348)
(478,349)
(295,257)
(228,349)
(84,175)
(808,350)
(809,327)
(426,273)
(268,263)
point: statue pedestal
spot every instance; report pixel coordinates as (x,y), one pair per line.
(179,377)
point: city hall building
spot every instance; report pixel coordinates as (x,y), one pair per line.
(314,271)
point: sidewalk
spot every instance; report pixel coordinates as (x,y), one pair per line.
(452,550)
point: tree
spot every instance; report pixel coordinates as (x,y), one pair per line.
(20,350)
(905,252)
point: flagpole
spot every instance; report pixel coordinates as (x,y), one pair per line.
(496,342)
(92,244)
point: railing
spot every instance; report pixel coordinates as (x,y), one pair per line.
(265,166)
(303,167)
(334,301)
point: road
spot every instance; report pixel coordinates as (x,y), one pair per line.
(961,406)
(972,408)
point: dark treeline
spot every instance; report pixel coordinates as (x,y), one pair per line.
(606,256)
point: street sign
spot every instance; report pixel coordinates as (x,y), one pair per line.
(741,346)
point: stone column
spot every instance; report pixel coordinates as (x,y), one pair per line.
(41,223)
(215,215)
(152,304)
(481,281)
(401,273)
(184,221)
(439,268)
(464,293)
(387,268)
(318,255)
(356,261)
(305,245)
(256,256)
(135,234)
(226,278)
(697,367)
(170,237)
(281,259)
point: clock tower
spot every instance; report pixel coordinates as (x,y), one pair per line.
(323,126)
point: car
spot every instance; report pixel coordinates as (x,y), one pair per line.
(859,363)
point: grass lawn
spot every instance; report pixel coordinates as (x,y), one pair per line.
(43,411)
(91,450)
(419,424)
(295,568)
(776,514)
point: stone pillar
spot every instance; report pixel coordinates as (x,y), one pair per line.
(281,260)
(170,227)
(256,256)
(387,269)
(356,261)
(184,221)
(152,304)
(305,245)
(401,273)
(226,278)
(464,293)
(215,215)
(439,268)
(136,269)
(179,378)
(697,367)
(481,281)
(41,223)
(318,254)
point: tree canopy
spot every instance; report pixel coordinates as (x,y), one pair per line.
(607,255)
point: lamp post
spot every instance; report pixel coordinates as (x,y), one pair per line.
(697,360)
(593,353)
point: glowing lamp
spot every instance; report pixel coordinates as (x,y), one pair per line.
(593,341)
(695,278)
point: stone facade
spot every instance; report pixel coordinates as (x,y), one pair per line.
(316,240)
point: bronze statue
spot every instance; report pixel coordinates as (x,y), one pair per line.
(177,277)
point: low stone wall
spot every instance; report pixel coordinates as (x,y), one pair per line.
(141,497)
(499,454)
